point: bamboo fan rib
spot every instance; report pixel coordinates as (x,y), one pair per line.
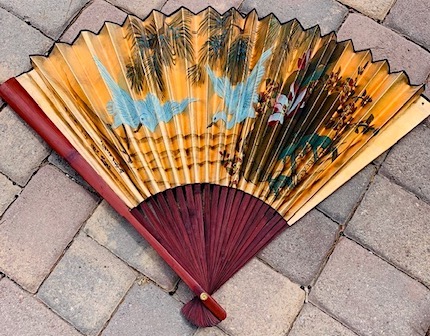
(218,131)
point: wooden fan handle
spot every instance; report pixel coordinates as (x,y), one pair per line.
(213,306)
(24,105)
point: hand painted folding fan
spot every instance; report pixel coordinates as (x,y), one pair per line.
(212,133)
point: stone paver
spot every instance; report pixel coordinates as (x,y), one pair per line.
(300,250)
(49,16)
(17,41)
(395,224)
(380,159)
(412,18)
(370,296)
(140,8)
(21,150)
(23,315)
(183,293)
(384,43)
(376,9)
(329,14)
(196,5)
(92,19)
(314,322)
(340,205)
(409,162)
(37,227)
(8,192)
(427,94)
(63,165)
(214,331)
(148,310)
(115,233)
(259,301)
(87,285)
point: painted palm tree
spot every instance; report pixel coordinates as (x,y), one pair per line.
(238,99)
(155,47)
(227,45)
(135,113)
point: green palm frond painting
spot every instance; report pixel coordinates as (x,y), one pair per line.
(160,46)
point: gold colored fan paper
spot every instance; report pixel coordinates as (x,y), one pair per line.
(268,108)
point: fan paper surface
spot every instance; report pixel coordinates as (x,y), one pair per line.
(212,104)
(271,109)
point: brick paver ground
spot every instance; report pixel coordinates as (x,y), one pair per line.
(341,204)
(388,212)
(92,19)
(17,41)
(401,53)
(22,314)
(141,8)
(39,225)
(51,20)
(198,5)
(300,251)
(147,310)
(370,296)
(410,17)
(409,162)
(69,266)
(87,285)
(8,194)
(260,301)
(376,9)
(27,148)
(312,322)
(112,231)
(329,14)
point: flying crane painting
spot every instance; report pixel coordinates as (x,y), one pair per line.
(212,133)
(147,112)
(239,100)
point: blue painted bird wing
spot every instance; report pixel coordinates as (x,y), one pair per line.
(172,107)
(224,89)
(150,111)
(249,94)
(122,107)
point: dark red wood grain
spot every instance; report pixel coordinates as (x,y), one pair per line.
(219,229)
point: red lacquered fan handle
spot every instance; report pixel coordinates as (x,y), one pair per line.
(23,104)
(213,306)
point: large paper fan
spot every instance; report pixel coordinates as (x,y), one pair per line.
(211,133)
